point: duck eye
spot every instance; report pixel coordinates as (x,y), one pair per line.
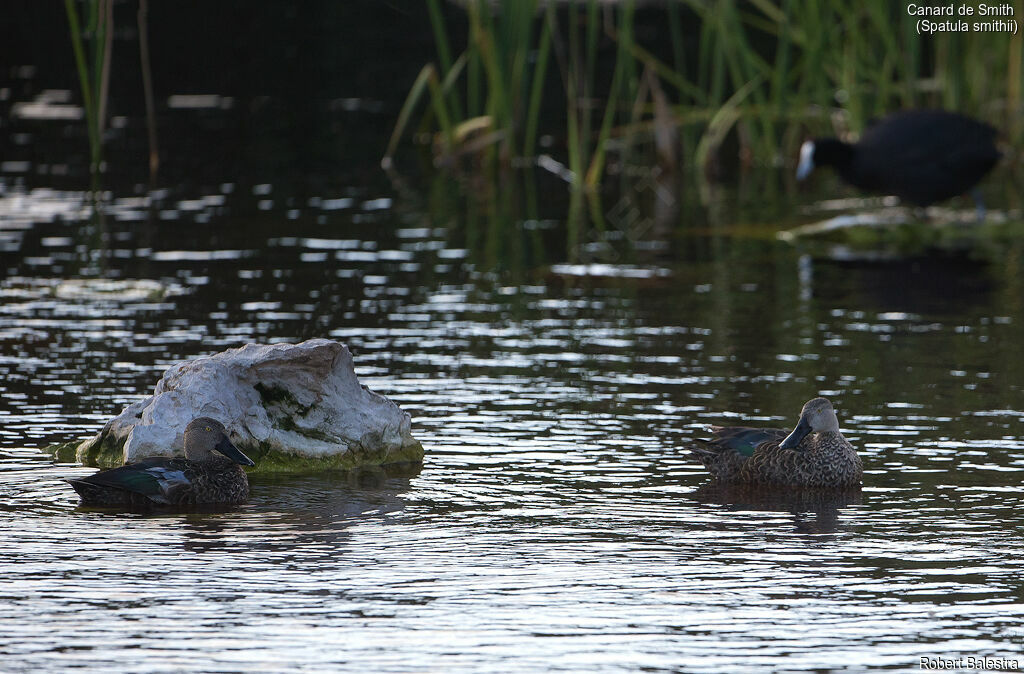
(208,429)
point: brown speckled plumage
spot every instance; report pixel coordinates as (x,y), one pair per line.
(815,455)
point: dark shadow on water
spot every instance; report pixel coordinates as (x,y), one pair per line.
(158,510)
(923,284)
(341,493)
(311,512)
(814,511)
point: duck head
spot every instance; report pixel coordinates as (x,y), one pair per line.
(817,416)
(204,436)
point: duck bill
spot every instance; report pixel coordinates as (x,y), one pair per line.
(229,450)
(792,441)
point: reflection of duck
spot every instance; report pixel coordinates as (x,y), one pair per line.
(823,504)
(815,454)
(201,477)
(921,156)
(308,514)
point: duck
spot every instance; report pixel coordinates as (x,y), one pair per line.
(202,477)
(921,156)
(813,455)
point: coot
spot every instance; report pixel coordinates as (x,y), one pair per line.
(921,156)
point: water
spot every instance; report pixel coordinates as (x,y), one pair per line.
(557,523)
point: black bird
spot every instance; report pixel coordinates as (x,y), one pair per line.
(921,156)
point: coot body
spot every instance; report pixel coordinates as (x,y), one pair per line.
(921,156)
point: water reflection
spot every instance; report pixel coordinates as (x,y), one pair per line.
(814,511)
(557,508)
(922,285)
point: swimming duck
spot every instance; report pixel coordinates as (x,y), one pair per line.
(201,477)
(814,454)
(921,156)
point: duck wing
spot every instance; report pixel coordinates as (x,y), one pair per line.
(741,439)
(728,452)
(160,480)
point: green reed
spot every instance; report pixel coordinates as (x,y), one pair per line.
(92,61)
(91,33)
(757,76)
(489,99)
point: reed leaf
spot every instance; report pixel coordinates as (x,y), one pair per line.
(419,86)
(537,87)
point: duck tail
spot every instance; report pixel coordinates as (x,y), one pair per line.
(92,494)
(706,448)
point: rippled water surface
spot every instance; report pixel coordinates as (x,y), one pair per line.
(557,523)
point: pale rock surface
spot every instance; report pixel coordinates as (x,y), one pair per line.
(288,406)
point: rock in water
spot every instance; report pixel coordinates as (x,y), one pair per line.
(290,407)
